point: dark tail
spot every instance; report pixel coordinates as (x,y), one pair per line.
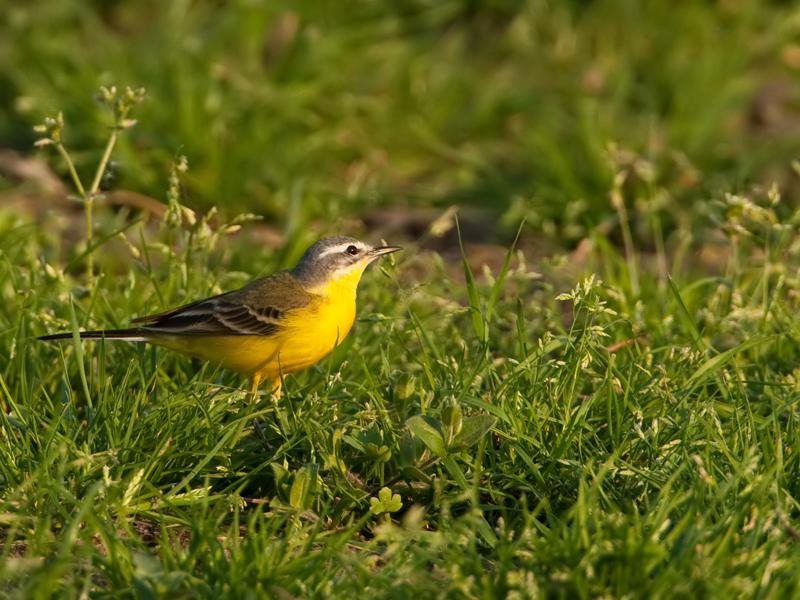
(132,334)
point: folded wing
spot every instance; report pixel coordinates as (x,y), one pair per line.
(259,308)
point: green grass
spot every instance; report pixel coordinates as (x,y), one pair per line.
(355,105)
(663,467)
(623,424)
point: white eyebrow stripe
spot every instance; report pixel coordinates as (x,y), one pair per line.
(341,248)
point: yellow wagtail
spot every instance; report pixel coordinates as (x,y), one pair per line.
(272,326)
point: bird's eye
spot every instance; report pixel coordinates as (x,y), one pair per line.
(352,250)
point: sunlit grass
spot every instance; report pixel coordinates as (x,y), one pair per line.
(643,445)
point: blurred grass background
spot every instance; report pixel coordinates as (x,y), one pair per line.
(312,110)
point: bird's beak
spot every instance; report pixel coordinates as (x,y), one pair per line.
(381,250)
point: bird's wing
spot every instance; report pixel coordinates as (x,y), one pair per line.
(259,308)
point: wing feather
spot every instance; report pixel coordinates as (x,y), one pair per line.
(259,309)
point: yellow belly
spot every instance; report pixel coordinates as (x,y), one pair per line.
(309,335)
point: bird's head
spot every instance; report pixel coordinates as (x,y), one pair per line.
(337,259)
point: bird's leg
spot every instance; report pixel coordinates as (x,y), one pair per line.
(275,391)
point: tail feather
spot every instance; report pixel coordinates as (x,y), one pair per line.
(134,334)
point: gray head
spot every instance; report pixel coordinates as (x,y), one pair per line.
(334,257)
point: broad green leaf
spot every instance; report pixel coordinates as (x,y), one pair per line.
(299,488)
(452,418)
(407,451)
(304,486)
(429,430)
(280,473)
(405,387)
(473,429)
(378,454)
(404,394)
(411,473)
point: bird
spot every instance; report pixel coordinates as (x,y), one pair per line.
(272,326)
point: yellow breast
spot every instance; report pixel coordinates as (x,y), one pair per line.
(312,333)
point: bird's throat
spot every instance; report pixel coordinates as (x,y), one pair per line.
(342,286)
